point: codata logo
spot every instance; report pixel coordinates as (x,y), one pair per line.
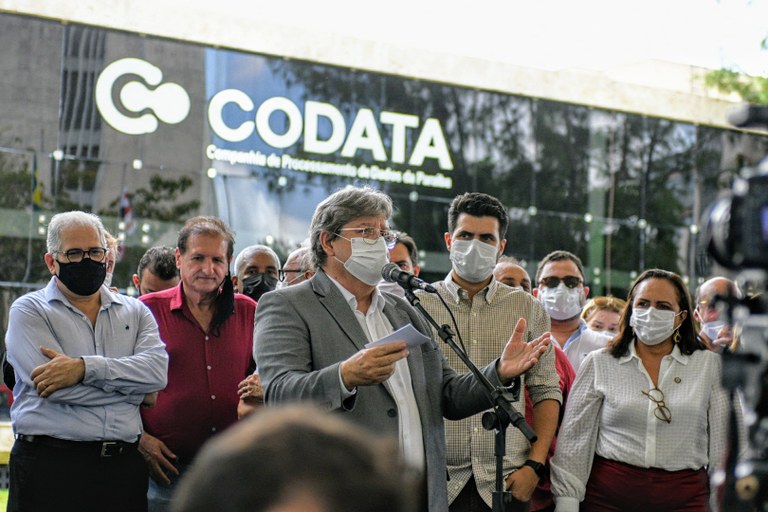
(168,102)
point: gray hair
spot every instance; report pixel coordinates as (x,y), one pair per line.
(249,251)
(342,207)
(303,257)
(75,218)
(504,258)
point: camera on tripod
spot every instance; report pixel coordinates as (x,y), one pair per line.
(739,224)
(737,239)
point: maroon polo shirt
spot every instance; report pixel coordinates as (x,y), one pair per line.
(203,371)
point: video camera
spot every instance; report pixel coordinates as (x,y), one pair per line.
(736,238)
(739,223)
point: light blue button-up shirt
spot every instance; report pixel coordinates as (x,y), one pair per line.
(124,360)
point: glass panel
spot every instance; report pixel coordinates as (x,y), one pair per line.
(178,130)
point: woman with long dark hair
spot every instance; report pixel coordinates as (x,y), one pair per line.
(646,419)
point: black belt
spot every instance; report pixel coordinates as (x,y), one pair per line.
(95,448)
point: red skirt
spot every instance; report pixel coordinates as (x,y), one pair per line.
(618,487)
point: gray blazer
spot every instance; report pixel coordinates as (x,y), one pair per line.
(304,332)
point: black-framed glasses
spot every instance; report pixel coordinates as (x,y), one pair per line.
(283,273)
(554,281)
(371,235)
(76,255)
(661,411)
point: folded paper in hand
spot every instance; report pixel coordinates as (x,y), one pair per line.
(407,333)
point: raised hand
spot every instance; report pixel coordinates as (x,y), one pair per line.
(518,356)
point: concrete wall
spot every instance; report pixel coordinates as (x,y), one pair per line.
(653,88)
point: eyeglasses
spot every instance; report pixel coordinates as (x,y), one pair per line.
(371,235)
(707,305)
(661,411)
(554,281)
(76,255)
(283,271)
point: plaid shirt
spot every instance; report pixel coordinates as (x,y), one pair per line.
(486,323)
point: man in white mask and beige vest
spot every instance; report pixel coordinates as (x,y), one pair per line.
(310,343)
(487,313)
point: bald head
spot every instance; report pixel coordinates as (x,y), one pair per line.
(253,260)
(507,271)
(298,266)
(706,310)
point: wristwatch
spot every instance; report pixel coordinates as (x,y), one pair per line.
(538,467)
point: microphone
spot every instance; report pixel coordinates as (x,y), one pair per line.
(392,273)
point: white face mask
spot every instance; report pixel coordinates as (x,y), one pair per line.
(562,302)
(473,260)
(367,259)
(652,326)
(604,335)
(711,329)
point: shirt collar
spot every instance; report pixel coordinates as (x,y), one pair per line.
(676,354)
(377,300)
(177,299)
(52,292)
(457,292)
(577,333)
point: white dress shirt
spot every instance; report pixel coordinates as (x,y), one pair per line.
(607,414)
(588,341)
(375,325)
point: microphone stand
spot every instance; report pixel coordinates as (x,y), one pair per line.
(502,415)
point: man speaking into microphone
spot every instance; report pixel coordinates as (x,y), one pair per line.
(310,343)
(487,312)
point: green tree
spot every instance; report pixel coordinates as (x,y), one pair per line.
(752,89)
(20,259)
(160,201)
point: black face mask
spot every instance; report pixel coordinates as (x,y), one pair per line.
(258,284)
(84,277)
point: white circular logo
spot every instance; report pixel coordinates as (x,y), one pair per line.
(168,102)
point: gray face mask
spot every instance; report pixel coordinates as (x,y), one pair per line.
(473,260)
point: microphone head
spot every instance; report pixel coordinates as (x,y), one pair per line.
(387,271)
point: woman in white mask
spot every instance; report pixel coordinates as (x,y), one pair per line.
(646,420)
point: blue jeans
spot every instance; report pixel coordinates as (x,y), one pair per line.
(159,496)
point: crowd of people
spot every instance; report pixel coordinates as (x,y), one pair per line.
(195,395)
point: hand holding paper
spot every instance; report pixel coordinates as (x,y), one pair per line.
(407,333)
(376,362)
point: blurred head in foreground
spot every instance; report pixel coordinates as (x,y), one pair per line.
(297,459)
